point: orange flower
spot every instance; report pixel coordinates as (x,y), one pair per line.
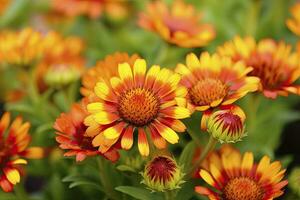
(236,177)
(104,70)
(20,48)
(213,81)
(294,23)
(178,24)
(274,63)
(137,102)
(13,146)
(71,8)
(3,5)
(71,134)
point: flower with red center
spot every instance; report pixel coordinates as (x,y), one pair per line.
(236,177)
(178,24)
(294,23)
(274,63)
(20,48)
(226,125)
(13,149)
(162,173)
(137,102)
(214,81)
(104,70)
(71,134)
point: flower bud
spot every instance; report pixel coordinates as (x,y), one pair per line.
(227,125)
(294,181)
(162,173)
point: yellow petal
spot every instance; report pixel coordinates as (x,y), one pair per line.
(139,67)
(12,175)
(101,90)
(125,71)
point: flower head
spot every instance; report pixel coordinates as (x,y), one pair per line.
(13,149)
(20,48)
(162,173)
(273,63)
(227,125)
(71,134)
(294,23)
(104,70)
(137,102)
(237,177)
(178,24)
(213,81)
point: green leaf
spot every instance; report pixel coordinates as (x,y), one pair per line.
(139,193)
(125,168)
(187,154)
(76,180)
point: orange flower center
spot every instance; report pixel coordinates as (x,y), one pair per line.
(243,188)
(138,106)
(206,91)
(161,169)
(272,73)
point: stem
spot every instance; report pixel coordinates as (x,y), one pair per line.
(105,180)
(254,11)
(169,195)
(32,89)
(208,148)
(254,103)
(20,192)
(194,136)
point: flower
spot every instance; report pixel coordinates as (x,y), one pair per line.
(177,24)
(70,131)
(294,23)
(136,101)
(213,81)
(3,6)
(162,173)
(274,63)
(237,177)
(13,149)
(104,70)
(227,125)
(294,181)
(20,48)
(72,8)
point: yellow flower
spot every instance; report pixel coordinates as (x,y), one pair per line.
(137,101)
(235,177)
(20,48)
(273,63)
(178,24)
(213,81)
(294,23)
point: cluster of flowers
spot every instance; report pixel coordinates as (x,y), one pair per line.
(123,99)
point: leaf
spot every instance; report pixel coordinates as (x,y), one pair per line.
(125,168)
(76,180)
(187,154)
(139,193)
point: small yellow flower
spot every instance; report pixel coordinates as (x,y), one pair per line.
(136,101)
(178,24)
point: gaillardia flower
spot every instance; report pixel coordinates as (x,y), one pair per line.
(227,125)
(13,149)
(162,173)
(178,24)
(71,134)
(20,48)
(294,23)
(104,70)
(236,177)
(213,81)
(136,101)
(274,63)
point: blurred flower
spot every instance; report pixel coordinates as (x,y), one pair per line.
(227,125)
(162,173)
(274,63)
(13,146)
(20,48)
(237,177)
(117,10)
(71,134)
(62,61)
(177,24)
(213,80)
(137,101)
(294,23)
(71,8)
(104,70)
(294,181)
(3,5)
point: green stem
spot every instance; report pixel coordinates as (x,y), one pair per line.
(20,192)
(194,136)
(254,102)
(169,195)
(208,148)
(253,15)
(32,87)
